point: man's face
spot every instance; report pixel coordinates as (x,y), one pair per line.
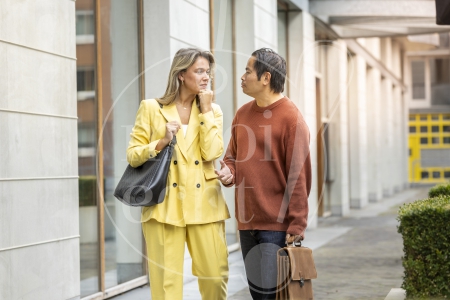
(250,84)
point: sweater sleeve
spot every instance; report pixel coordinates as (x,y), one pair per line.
(230,154)
(298,170)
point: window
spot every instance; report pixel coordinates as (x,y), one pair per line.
(440,81)
(434,128)
(423,118)
(447,140)
(424,141)
(85,23)
(446,117)
(424,175)
(85,80)
(436,174)
(446,128)
(447,174)
(410,152)
(435,140)
(412,129)
(418,79)
(412,117)
(423,129)
(435,117)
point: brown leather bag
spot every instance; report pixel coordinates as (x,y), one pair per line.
(295,270)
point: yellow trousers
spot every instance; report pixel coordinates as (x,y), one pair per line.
(165,252)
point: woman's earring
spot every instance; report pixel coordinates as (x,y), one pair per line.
(182,82)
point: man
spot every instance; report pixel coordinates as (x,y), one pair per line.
(268,160)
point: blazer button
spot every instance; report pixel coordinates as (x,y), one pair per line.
(198,185)
(174,185)
(201,123)
(175,162)
(196,162)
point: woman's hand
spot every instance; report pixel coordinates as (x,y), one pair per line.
(206,98)
(171,130)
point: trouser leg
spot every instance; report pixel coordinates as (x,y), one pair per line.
(208,248)
(259,249)
(165,253)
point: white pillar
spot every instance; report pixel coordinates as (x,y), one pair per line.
(337,111)
(373,130)
(357,132)
(387,136)
(301,77)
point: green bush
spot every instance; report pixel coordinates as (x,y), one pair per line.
(87,188)
(425,228)
(440,189)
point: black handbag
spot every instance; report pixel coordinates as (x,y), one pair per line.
(146,185)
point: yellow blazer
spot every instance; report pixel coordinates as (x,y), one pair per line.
(193,194)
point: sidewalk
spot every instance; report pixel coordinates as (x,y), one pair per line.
(357,257)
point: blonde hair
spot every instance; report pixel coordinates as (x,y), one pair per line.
(183,59)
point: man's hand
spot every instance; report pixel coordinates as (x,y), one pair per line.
(224,174)
(293,239)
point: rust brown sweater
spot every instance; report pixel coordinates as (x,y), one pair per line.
(268,155)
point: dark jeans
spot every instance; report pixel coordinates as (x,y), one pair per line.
(259,249)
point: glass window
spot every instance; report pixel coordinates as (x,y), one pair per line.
(87,139)
(424,141)
(85,80)
(418,79)
(434,128)
(436,174)
(446,117)
(412,129)
(424,175)
(440,81)
(447,174)
(423,129)
(446,128)
(410,152)
(412,117)
(435,117)
(435,140)
(423,118)
(446,140)
(85,22)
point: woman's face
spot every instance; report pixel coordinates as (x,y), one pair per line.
(196,77)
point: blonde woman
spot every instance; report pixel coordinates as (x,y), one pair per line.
(194,210)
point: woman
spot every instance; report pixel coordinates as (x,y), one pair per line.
(194,209)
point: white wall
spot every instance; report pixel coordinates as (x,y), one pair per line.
(39,245)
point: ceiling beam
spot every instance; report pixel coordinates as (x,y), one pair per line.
(375,8)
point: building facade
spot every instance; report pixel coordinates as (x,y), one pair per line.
(72,76)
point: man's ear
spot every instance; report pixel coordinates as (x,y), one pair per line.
(266,78)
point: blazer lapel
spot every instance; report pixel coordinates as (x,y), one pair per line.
(193,128)
(170,113)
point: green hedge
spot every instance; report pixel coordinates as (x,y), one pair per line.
(439,190)
(425,228)
(87,188)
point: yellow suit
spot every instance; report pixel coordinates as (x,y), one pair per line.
(194,205)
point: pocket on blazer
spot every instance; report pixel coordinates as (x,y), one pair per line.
(209,174)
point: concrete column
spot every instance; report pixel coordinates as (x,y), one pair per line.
(337,111)
(39,244)
(245,43)
(387,136)
(400,154)
(301,77)
(374,120)
(357,132)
